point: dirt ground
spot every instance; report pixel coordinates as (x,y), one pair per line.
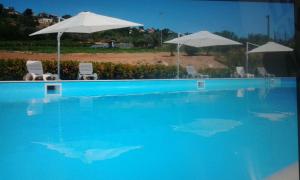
(199,62)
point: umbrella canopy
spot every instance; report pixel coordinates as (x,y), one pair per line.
(200,39)
(87,22)
(207,127)
(89,151)
(271,47)
(84,22)
(203,39)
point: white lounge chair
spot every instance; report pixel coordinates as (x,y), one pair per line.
(35,72)
(191,72)
(240,72)
(263,72)
(86,72)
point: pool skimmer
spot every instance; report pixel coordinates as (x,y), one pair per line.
(200,84)
(54,89)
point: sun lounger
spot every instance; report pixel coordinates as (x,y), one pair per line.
(191,72)
(35,72)
(263,72)
(86,72)
(240,72)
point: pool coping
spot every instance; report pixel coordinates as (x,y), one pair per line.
(134,80)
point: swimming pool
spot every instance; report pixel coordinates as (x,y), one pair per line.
(148,129)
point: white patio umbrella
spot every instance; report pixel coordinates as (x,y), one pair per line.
(84,22)
(200,39)
(266,48)
(271,47)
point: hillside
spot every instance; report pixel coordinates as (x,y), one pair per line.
(200,62)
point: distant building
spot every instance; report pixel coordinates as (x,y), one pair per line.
(151,30)
(44,22)
(55,18)
(100,45)
(124,45)
(12,11)
(112,44)
(43,15)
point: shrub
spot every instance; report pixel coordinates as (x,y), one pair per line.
(191,51)
(172,48)
(16,69)
(12,69)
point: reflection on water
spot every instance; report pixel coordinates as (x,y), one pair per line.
(73,150)
(240,93)
(86,103)
(273,83)
(263,92)
(274,116)
(207,127)
(35,106)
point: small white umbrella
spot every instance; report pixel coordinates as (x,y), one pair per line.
(84,22)
(271,47)
(200,39)
(266,48)
(203,39)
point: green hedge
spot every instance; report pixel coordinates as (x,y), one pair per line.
(12,69)
(16,69)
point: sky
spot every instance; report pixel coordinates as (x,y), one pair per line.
(181,16)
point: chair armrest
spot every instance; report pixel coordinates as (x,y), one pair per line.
(96,76)
(46,76)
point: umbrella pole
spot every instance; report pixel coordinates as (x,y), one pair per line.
(247,56)
(58,53)
(178,54)
(177,61)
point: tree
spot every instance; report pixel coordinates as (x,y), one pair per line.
(228,34)
(1,9)
(11,9)
(234,57)
(191,51)
(154,38)
(67,16)
(28,12)
(258,38)
(172,48)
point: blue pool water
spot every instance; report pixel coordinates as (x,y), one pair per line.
(226,129)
